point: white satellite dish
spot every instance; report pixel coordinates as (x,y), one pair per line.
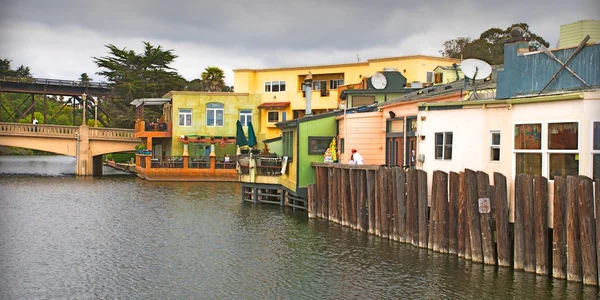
(475,68)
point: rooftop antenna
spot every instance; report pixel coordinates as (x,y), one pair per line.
(357,58)
(475,69)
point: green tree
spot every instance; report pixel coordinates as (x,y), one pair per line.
(133,76)
(6,70)
(488,47)
(213,79)
(85,79)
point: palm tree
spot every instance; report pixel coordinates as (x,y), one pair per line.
(213,79)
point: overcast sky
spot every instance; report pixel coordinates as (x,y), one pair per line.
(58,38)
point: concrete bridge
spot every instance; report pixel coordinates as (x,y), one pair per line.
(86,144)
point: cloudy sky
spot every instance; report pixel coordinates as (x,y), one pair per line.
(58,38)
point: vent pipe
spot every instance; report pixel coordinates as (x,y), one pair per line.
(308,93)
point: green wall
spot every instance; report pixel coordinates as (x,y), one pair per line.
(318,127)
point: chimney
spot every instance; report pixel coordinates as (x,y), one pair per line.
(308,93)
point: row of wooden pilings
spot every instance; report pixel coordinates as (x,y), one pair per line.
(468,217)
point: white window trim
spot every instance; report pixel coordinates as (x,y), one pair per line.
(432,77)
(271,86)
(443,145)
(544,149)
(214,110)
(246,115)
(278,116)
(592,152)
(185,114)
(492,146)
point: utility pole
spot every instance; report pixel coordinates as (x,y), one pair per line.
(83,96)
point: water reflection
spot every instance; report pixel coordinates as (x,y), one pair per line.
(123,237)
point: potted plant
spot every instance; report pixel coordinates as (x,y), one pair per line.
(244,150)
(140,148)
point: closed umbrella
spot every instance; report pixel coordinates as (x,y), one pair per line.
(251,135)
(240,137)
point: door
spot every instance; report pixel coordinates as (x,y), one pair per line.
(394,151)
(411,151)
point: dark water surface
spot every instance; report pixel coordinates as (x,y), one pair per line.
(119,237)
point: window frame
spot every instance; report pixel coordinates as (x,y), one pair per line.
(312,151)
(246,115)
(427,75)
(269,120)
(338,82)
(214,111)
(270,86)
(185,114)
(287,146)
(443,145)
(319,82)
(495,146)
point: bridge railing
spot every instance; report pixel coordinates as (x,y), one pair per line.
(19,128)
(58,82)
(112,133)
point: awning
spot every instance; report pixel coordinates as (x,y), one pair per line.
(271,105)
(149,101)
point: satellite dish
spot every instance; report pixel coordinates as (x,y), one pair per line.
(475,68)
(378,81)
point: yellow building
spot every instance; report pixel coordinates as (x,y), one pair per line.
(573,33)
(281,92)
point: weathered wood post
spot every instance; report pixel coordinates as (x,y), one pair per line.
(541,225)
(377,203)
(463,214)
(574,272)
(333,194)
(337,198)
(353,198)
(453,187)
(371,199)
(442,213)
(559,233)
(519,260)
(474,222)
(485,218)
(401,196)
(363,220)
(587,231)
(391,197)
(597,202)
(383,202)
(502,220)
(412,217)
(422,207)
(312,208)
(528,224)
(433,217)
(394,194)
(345,195)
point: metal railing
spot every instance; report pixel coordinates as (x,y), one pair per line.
(173,162)
(59,82)
(270,166)
(199,163)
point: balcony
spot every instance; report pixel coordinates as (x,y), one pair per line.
(153,129)
(184,168)
(260,169)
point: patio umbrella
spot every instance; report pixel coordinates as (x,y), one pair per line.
(251,135)
(240,137)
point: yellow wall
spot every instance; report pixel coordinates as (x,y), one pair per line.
(414,68)
(572,34)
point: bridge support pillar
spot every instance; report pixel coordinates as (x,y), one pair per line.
(97,165)
(84,156)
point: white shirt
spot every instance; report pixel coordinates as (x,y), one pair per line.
(358,159)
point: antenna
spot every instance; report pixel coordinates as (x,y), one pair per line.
(475,69)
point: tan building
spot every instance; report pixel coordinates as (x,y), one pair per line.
(573,33)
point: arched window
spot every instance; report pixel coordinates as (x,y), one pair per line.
(214,114)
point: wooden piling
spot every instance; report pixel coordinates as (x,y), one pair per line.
(361,218)
(371,199)
(453,186)
(519,250)
(463,215)
(412,210)
(487,236)
(320,186)
(345,182)
(393,207)
(312,209)
(337,209)
(433,218)
(587,231)
(574,272)
(597,206)
(401,195)
(528,224)
(377,203)
(502,220)
(353,199)
(422,207)
(442,212)
(542,260)
(474,220)
(559,233)
(383,203)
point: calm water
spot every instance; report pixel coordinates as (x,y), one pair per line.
(117,236)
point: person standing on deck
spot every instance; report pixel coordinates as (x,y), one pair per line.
(35,122)
(356,157)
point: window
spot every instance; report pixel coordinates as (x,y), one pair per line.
(596,150)
(214,114)
(319,85)
(275,86)
(341,145)
(273,116)
(528,146)
(287,139)
(299,114)
(358,101)
(185,117)
(245,116)
(439,78)
(495,145)
(563,143)
(283,116)
(318,144)
(334,83)
(443,145)
(429,76)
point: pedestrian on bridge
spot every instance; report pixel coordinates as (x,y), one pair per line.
(35,122)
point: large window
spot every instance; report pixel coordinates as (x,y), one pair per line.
(443,145)
(429,76)
(596,150)
(495,145)
(245,116)
(287,139)
(273,116)
(319,85)
(318,144)
(275,86)
(334,83)
(214,114)
(550,149)
(528,149)
(185,117)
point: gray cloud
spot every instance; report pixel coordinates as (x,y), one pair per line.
(259,33)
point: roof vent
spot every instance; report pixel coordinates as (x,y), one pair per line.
(390,69)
